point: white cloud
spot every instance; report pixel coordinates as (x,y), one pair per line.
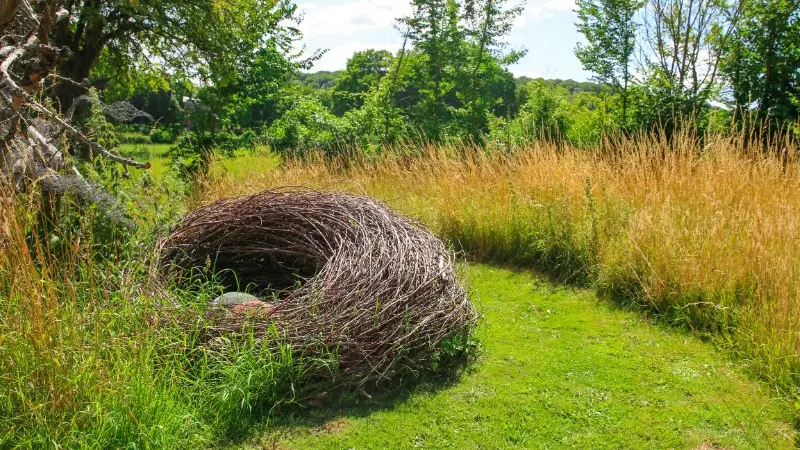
(354,16)
(542,9)
(350,17)
(353,25)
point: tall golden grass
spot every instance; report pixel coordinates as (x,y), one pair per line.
(35,371)
(705,235)
(96,353)
(75,352)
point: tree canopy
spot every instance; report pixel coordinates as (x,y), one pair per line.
(204,39)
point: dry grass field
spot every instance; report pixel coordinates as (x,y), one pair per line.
(698,238)
(706,237)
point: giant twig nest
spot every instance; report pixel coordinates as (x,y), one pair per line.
(345,273)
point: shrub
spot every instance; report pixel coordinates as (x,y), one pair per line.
(165,135)
(543,117)
(308,125)
(193,150)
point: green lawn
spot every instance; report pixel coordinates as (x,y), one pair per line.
(244,162)
(155,154)
(558,369)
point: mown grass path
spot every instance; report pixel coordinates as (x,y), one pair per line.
(560,369)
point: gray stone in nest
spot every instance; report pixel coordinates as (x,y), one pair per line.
(231,299)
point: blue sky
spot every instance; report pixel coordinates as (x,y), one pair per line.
(546,29)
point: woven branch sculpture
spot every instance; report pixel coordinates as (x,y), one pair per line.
(351,275)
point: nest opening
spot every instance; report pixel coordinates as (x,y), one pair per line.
(267,276)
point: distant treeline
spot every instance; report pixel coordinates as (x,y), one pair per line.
(656,65)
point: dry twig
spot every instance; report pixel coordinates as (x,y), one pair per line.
(28,127)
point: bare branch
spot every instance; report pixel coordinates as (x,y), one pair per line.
(8,10)
(16,91)
(30,12)
(30,155)
(80,136)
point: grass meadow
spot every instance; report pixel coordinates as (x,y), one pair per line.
(559,369)
(661,245)
(702,237)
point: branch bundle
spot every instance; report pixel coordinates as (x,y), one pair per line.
(30,149)
(348,272)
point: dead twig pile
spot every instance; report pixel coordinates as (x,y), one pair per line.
(34,135)
(349,274)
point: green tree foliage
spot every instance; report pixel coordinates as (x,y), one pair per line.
(323,79)
(657,62)
(199,37)
(434,32)
(591,117)
(681,43)
(259,95)
(610,29)
(383,119)
(318,84)
(761,61)
(308,125)
(545,116)
(457,65)
(231,106)
(364,71)
(552,113)
(488,23)
(160,103)
(571,87)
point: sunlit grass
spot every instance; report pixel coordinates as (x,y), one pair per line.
(559,369)
(246,164)
(705,237)
(155,154)
(94,353)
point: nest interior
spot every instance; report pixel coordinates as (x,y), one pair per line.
(347,273)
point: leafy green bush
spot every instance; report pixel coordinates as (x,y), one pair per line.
(590,119)
(545,116)
(96,126)
(165,135)
(194,150)
(308,125)
(375,124)
(659,106)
